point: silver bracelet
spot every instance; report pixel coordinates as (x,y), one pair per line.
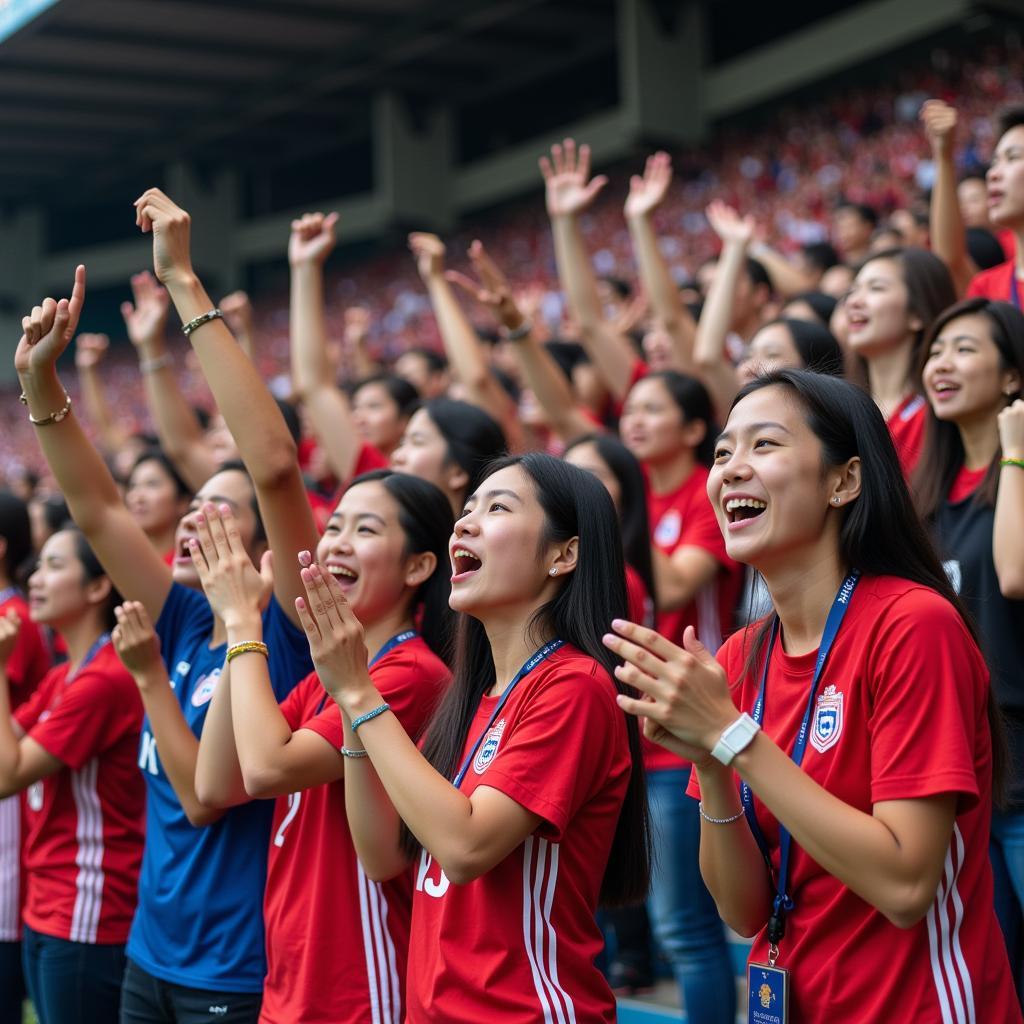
(718,821)
(156,363)
(350,752)
(516,333)
(205,318)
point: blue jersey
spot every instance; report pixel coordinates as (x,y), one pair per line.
(199,921)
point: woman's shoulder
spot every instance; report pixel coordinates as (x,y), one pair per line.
(570,667)
(898,597)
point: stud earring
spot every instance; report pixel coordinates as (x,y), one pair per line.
(552,572)
(835,500)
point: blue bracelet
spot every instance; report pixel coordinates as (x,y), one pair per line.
(370,714)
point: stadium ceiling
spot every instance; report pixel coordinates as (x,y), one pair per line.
(97,92)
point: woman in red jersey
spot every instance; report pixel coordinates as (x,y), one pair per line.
(336,941)
(71,747)
(525,807)
(845,813)
(894,298)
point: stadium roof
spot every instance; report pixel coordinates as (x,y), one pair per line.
(95,91)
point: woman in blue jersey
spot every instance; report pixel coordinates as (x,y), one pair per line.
(196,947)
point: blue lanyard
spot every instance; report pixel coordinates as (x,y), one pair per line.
(399,638)
(532,662)
(1014,294)
(101,640)
(783,902)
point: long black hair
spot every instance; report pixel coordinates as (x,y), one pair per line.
(425,515)
(473,437)
(157,455)
(93,570)
(575,504)
(16,530)
(694,402)
(943,454)
(633,520)
(881,533)
(815,344)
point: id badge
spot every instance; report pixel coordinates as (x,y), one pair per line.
(767,994)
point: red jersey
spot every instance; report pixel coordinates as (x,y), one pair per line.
(368,458)
(28,663)
(906,427)
(518,944)
(84,824)
(905,688)
(638,601)
(686,518)
(337,942)
(994,283)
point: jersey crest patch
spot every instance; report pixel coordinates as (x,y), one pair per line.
(489,748)
(670,525)
(204,689)
(827,726)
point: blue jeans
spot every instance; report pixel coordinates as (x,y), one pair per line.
(683,914)
(1006,851)
(72,982)
(12,986)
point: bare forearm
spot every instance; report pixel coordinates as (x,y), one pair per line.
(460,339)
(730,860)
(98,410)
(1007,537)
(548,383)
(787,279)
(218,776)
(310,364)
(948,237)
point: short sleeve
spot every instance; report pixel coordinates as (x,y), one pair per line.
(289,659)
(96,710)
(700,529)
(185,612)
(28,662)
(294,706)
(561,749)
(929,685)
(369,458)
(28,713)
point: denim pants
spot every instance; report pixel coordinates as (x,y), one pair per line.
(72,982)
(1006,851)
(12,986)
(683,915)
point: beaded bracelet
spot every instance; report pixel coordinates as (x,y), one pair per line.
(369,715)
(245,647)
(1019,463)
(352,752)
(718,821)
(54,417)
(204,318)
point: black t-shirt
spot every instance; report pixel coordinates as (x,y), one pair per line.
(963,533)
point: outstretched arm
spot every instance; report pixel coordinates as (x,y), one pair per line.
(89,352)
(252,415)
(646,194)
(238,315)
(569,190)
(787,278)
(1007,538)
(946,224)
(313,373)
(563,412)
(712,365)
(125,552)
(180,433)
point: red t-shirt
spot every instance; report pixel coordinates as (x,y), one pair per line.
(686,518)
(906,427)
(1008,241)
(638,601)
(966,483)
(367,459)
(639,370)
(905,688)
(28,663)
(518,944)
(337,942)
(84,824)
(994,283)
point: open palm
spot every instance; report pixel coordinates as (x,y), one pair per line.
(569,189)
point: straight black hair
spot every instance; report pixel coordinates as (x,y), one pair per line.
(815,344)
(575,504)
(881,533)
(400,391)
(158,456)
(633,520)
(695,404)
(238,466)
(93,570)
(16,530)
(822,305)
(474,438)
(943,454)
(425,516)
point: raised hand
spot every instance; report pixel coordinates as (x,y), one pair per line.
(728,224)
(171,228)
(313,238)
(9,626)
(686,689)
(136,642)
(237,310)
(49,328)
(492,289)
(939,120)
(648,192)
(145,319)
(335,636)
(1011,430)
(90,350)
(236,590)
(568,187)
(357,325)
(429,251)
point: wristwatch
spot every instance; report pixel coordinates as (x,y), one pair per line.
(735,738)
